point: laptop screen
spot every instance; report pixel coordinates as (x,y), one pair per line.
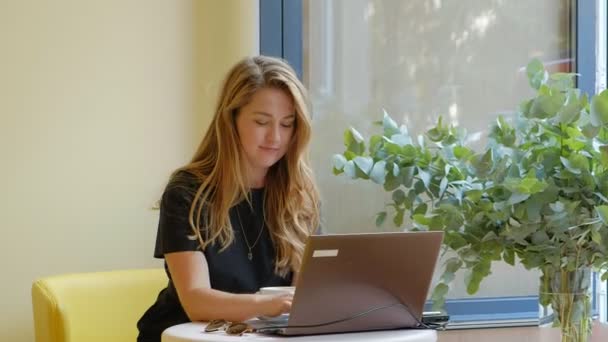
(360,282)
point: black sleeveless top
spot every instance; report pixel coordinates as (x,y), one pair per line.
(230,270)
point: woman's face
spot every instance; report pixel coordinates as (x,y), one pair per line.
(265,126)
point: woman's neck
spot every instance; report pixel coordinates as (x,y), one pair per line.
(257,178)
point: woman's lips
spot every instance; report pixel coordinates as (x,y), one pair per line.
(272,149)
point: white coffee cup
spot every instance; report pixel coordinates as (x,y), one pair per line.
(275,290)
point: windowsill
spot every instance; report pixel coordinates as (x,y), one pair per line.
(519,334)
(495,312)
(492,312)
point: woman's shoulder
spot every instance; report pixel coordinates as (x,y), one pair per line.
(184,177)
(183,182)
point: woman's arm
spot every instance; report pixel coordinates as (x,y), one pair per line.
(190,275)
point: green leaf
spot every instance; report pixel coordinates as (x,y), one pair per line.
(574,144)
(482,164)
(540,238)
(378,172)
(602,212)
(604,156)
(439,293)
(573,132)
(476,275)
(536,73)
(443,186)
(407,176)
(548,104)
(525,107)
(425,177)
(349,169)
(401,139)
(421,209)
(590,131)
(338,161)
(398,196)
(517,197)
(437,133)
(356,135)
(380,218)
(349,155)
(395,169)
(365,164)
(451,216)
(576,163)
(533,210)
(509,257)
(354,142)
(520,234)
(422,219)
(562,81)
(375,143)
(489,236)
(391,182)
(599,109)
(455,240)
(408,153)
(436,223)
(462,153)
(448,277)
(596,236)
(473,195)
(531,185)
(503,133)
(389,125)
(452,265)
(472,280)
(391,148)
(569,112)
(502,124)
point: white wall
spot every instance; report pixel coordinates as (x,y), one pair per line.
(99,102)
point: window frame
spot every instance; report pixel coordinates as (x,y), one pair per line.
(281,31)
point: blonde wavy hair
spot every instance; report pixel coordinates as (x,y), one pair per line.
(291,203)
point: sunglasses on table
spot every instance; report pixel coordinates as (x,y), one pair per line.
(231,328)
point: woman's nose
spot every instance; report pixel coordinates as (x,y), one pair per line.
(274,134)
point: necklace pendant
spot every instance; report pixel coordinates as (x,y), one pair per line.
(250,255)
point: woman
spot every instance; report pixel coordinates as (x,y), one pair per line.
(236,218)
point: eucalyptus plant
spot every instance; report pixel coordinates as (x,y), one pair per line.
(535,193)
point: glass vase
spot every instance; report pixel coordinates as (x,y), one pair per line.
(565,303)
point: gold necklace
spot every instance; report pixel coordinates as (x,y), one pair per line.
(250,254)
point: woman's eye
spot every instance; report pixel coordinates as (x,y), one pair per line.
(287,124)
(261,123)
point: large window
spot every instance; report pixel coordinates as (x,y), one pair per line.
(461,59)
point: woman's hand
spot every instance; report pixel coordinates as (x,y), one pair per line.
(274,305)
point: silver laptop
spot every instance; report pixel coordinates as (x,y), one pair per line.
(360,282)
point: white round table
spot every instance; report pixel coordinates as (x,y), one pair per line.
(195,332)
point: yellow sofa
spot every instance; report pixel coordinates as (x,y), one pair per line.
(92,307)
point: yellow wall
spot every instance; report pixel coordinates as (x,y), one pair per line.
(99,101)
